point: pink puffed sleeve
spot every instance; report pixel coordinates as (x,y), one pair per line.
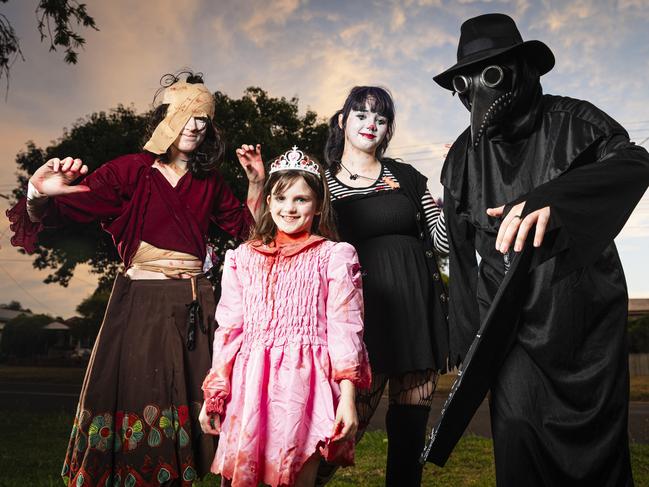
(227,338)
(345,318)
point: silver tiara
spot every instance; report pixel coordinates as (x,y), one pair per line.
(294,160)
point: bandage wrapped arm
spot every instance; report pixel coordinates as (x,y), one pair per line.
(227,339)
(344,310)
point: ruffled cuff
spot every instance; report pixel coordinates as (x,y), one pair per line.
(360,375)
(214,404)
(214,396)
(25,231)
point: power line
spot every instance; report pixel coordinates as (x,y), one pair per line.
(25,290)
(400,148)
(84,281)
(430,159)
(634,122)
(26,261)
(643,141)
(403,155)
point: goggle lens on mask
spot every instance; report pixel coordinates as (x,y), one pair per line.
(461,84)
(490,77)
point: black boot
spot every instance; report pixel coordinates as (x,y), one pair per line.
(326,471)
(406,427)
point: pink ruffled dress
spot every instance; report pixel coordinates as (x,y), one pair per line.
(291,327)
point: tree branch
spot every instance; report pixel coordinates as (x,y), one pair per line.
(9,49)
(64,16)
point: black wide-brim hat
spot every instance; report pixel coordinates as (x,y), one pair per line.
(490,35)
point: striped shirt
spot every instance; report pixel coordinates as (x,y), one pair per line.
(433,215)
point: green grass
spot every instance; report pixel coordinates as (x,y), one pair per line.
(57,375)
(74,375)
(33,446)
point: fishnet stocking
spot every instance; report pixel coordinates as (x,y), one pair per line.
(413,388)
(367,402)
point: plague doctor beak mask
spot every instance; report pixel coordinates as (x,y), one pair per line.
(485,92)
(485,72)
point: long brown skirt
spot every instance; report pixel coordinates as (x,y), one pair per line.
(137,419)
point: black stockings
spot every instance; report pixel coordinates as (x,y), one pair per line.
(410,397)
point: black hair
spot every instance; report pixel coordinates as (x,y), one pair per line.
(209,154)
(379,100)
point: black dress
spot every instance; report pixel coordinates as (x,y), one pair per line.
(384,225)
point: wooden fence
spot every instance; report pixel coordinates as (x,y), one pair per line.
(638,364)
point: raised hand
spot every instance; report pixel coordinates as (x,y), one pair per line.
(55,177)
(250,159)
(515,227)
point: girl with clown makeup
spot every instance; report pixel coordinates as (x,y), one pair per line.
(384,209)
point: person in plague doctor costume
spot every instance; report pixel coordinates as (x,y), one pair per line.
(539,186)
(137,419)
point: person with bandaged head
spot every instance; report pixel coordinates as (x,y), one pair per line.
(137,419)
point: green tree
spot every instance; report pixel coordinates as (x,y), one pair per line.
(95,139)
(274,123)
(15,306)
(254,118)
(24,336)
(91,310)
(57,21)
(639,335)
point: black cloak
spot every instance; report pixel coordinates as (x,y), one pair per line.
(559,393)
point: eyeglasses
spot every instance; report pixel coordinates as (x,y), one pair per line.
(491,77)
(201,122)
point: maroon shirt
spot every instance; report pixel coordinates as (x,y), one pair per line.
(135,202)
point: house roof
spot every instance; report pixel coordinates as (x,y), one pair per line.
(638,307)
(56,325)
(10,314)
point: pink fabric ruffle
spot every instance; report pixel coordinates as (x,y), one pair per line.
(360,376)
(214,395)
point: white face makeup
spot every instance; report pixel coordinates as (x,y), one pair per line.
(293,210)
(191,136)
(365,129)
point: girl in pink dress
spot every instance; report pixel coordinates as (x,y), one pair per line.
(289,352)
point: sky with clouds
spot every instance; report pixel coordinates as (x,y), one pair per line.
(315,50)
